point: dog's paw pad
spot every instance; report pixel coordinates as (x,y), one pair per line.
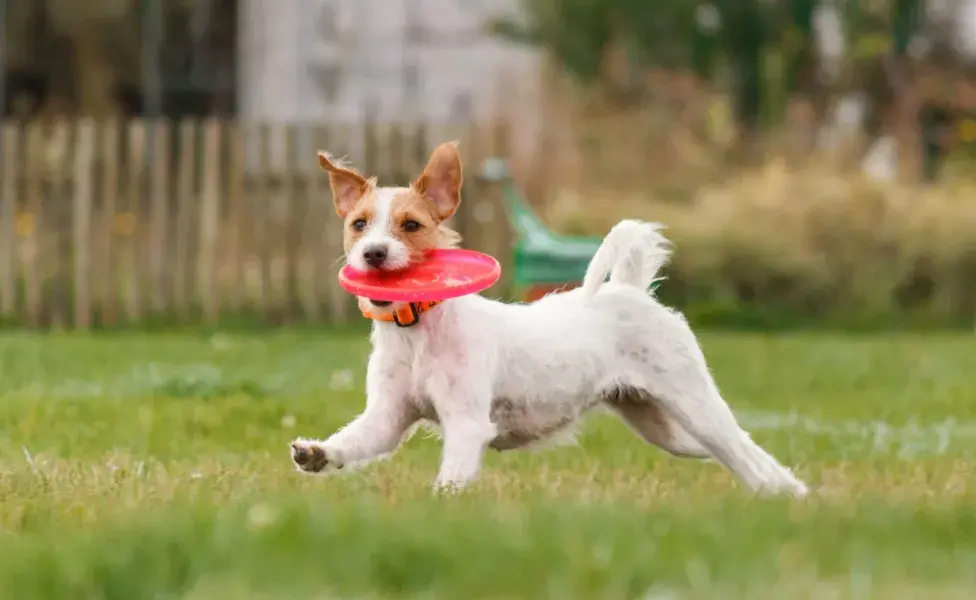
(312,457)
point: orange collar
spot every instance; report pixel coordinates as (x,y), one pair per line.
(405,316)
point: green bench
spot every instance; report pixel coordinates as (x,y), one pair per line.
(543,260)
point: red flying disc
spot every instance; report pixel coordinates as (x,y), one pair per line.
(445,273)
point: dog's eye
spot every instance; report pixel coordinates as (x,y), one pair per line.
(359,224)
(410,226)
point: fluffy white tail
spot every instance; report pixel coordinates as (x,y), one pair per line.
(632,254)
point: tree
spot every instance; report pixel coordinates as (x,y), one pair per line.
(671,34)
(86,48)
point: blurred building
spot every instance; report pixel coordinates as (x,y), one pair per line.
(405,61)
(128,57)
(270,59)
(353,59)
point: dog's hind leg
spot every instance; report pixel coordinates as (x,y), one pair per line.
(680,382)
(647,419)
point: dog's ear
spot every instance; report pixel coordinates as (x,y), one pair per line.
(441,180)
(348,186)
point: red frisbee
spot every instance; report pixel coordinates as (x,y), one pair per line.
(445,273)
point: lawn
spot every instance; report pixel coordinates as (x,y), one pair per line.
(156,466)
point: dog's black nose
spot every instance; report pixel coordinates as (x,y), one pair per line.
(374,256)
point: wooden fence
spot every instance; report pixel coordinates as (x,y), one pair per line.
(131,223)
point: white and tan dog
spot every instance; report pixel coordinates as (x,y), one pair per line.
(505,376)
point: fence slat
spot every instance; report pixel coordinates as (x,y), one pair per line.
(159,215)
(8,221)
(314,224)
(290,224)
(32,225)
(262,245)
(472,152)
(184,217)
(209,225)
(501,233)
(59,240)
(234,237)
(334,139)
(414,154)
(128,223)
(84,163)
(89,226)
(108,279)
(396,160)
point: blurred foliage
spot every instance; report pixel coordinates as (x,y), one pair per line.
(778,247)
(84,49)
(724,42)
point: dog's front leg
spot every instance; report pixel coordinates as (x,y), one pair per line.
(379,430)
(463,405)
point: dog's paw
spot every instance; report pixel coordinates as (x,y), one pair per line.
(786,487)
(313,457)
(799,490)
(448,487)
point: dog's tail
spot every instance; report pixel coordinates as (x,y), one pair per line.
(631,254)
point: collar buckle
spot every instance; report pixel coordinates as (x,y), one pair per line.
(404,317)
(413,316)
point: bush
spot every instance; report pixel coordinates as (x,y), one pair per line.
(775,247)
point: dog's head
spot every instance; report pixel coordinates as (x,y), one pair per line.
(388,228)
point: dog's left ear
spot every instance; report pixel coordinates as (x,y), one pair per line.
(441,180)
(348,186)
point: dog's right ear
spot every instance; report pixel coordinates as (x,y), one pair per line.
(441,180)
(348,186)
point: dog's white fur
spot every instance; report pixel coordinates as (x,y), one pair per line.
(509,375)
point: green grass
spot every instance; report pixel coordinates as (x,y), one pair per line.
(157,467)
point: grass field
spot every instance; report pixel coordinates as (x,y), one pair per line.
(157,467)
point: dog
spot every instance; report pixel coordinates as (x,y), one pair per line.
(507,376)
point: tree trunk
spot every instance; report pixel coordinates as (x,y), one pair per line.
(806,94)
(94,76)
(746,37)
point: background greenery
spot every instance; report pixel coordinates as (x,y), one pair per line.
(784,248)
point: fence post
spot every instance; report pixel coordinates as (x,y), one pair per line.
(109,286)
(209,225)
(8,217)
(57,168)
(127,223)
(160,198)
(262,237)
(235,240)
(313,225)
(31,227)
(289,223)
(185,201)
(330,139)
(84,162)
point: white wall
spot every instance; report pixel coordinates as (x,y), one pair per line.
(285,42)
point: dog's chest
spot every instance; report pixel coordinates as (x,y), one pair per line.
(529,403)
